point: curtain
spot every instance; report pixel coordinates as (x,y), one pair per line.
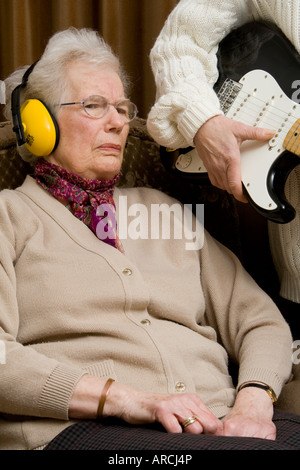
(129,26)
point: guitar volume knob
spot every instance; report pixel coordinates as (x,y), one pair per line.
(183,161)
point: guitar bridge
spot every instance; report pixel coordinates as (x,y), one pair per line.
(228,93)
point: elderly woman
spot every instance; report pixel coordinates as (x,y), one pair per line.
(137,330)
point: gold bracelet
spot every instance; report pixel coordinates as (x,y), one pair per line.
(261,385)
(103,397)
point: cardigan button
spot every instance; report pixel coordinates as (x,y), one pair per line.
(180,387)
(146,322)
(127,272)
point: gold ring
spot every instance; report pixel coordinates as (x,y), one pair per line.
(189,421)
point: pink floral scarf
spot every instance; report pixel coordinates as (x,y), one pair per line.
(91,201)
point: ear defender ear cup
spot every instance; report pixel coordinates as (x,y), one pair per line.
(33,123)
(40,128)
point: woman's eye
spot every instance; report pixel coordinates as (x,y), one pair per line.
(122,111)
(93,106)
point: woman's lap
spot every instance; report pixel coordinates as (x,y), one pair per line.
(113,434)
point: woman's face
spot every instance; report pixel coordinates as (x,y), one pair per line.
(91,148)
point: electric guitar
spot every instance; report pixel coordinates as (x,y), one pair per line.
(257,87)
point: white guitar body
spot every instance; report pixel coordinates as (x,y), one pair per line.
(256,100)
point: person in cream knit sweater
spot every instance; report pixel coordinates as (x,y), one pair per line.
(135,328)
(187,111)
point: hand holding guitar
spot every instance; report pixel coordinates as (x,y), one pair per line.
(254,146)
(218,144)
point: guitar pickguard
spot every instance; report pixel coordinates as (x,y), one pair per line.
(257,67)
(259,101)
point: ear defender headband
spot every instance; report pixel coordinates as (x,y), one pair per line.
(33,123)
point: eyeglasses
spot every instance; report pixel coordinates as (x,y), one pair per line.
(97,106)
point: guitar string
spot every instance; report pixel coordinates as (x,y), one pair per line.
(247,96)
(267,116)
(261,109)
(266,105)
(255,117)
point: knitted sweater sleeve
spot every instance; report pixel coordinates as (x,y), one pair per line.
(184,64)
(248,323)
(41,386)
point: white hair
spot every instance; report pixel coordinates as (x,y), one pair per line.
(49,81)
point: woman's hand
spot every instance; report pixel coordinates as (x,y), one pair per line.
(171,410)
(218,143)
(251,415)
(136,407)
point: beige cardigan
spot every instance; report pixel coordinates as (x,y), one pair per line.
(71,304)
(185,68)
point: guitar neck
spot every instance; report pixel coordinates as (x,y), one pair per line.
(292,140)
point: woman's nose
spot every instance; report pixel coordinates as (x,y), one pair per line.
(114,119)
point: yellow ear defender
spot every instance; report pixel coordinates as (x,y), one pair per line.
(33,123)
